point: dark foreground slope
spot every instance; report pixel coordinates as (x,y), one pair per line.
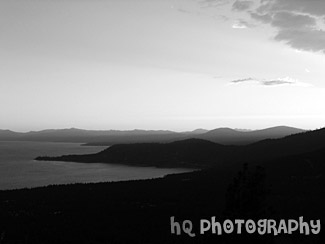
(200,153)
(140,211)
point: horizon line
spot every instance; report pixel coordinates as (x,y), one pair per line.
(167,130)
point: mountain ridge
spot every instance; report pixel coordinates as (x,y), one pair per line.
(200,153)
(230,136)
(225,136)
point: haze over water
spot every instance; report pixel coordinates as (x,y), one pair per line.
(18,169)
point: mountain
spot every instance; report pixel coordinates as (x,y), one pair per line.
(84,136)
(289,145)
(229,136)
(309,165)
(9,135)
(201,153)
(224,136)
(185,153)
(242,130)
(196,132)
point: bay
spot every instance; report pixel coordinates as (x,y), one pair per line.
(18,169)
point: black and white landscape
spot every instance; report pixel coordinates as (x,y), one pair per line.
(118,115)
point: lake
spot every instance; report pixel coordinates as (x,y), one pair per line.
(18,169)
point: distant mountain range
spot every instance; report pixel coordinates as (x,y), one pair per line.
(224,136)
(229,136)
(201,153)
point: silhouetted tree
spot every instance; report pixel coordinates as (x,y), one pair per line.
(246,195)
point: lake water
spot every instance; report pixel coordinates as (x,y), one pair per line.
(18,169)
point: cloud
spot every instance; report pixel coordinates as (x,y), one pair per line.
(299,24)
(296,22)
(213,3)
(287,20)
(242,24)
(303,39)
(242,80)
(242,5)
(265,18)
(276,82)
(270,82)
(311,7)
(183,11)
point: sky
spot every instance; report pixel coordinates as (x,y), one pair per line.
(161,64)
